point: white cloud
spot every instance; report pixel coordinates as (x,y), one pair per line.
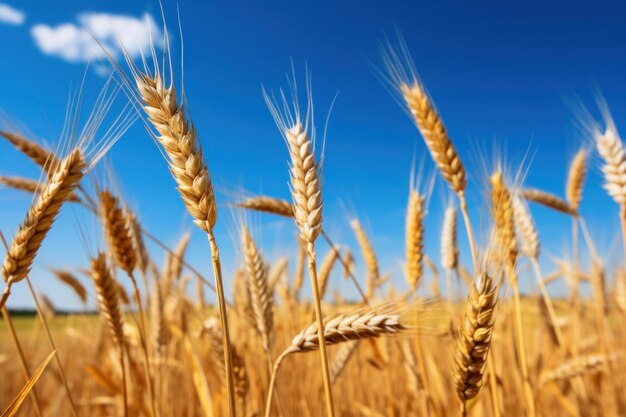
(11,16)
(78,42)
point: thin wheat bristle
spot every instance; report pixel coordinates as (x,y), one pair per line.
(117,231)
(529,236)
(107,291)
(41,216)
(37,153)
(548,200)
(258,286)
(576,179)
(70,280)
(346,327)
(474,337)
(267,205)
(504,219)
(371,261)
(449,245)
(180,142)
(414,238)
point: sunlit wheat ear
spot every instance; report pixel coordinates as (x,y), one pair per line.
(401,75)
(371,261)
(299,135)
(527,230)
(143,259)
(267,205)
(346,327)
(71,281)
(41,216)
(117,231)
(37,153)
(449,245)
(29,186)
(260,296)
(474,337)
(611,149)
(179,140)
(576,179)
(326,268)
(341,359)
(582,365)
(108,297)
(414,237)
(503,217)
(548,200)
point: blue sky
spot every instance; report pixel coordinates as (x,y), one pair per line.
(502,76)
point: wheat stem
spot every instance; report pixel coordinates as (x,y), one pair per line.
(221,303)
(320,330)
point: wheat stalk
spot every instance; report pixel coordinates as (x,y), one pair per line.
(258,287)
(474,337)
(306,194)
(37,153)
(183,151)
(267,204)
(30,186)
(449,245)
(576,179)
(548,200)
(504,224)
(40,217)
(414,238)
(117,231)
(326,268)
(371,261)
(70,280)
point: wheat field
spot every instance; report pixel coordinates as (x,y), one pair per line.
(407,346)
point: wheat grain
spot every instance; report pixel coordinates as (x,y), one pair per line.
(267,205)
(371,261)
(474,337)
(449,246)
(548,200)
(576,179)
(527,229)
(326,268)
(108,297)
(70,280)
(117,231)
(414,238)
(37,153)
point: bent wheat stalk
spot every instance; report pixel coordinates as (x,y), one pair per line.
(339,329)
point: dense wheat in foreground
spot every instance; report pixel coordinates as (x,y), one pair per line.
(160,337)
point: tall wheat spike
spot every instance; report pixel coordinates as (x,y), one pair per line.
(449,245)
(576,179)
(29,186)
(179,140)
(326,268)
(548,200)
(371,261)
(306,194)
(414,238)
(268,205)
(71,281)
(474,337)
(117,231)
(504,225)
(258,287)
(37,153)
(40,217)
